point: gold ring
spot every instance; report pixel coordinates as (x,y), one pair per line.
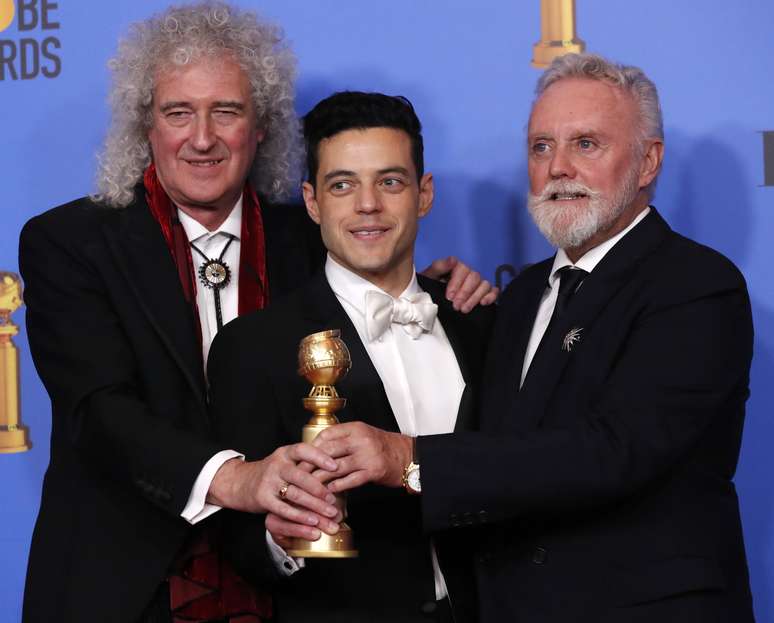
(283,491)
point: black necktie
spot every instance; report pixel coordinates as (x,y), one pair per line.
(570,280)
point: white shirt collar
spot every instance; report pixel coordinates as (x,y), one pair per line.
(195,231)
(589,260)
(352,288)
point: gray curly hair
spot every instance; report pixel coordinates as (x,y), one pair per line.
(631,80)
(182,35)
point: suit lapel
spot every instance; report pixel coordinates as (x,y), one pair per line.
(362,387)
(366,398)
(138,246)
(509,344)
(612,273)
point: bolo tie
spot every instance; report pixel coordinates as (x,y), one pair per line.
(215,275)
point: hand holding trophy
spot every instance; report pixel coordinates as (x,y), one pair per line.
(13,436)
(323,359)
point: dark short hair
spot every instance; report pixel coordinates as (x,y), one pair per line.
(355,110)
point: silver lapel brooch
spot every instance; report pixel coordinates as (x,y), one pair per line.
(571,339)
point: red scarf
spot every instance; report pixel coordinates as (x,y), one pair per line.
(253,284)
(204,586)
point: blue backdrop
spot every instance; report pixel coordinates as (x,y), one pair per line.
(465,65)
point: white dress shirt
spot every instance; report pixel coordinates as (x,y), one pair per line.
(587,262)
(421,377)
(212,243)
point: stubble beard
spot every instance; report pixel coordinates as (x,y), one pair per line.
(571,226)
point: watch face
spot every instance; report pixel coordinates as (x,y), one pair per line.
(412,479)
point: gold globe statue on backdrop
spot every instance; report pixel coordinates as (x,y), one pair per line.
(557,32)
(323,359)
(13,436)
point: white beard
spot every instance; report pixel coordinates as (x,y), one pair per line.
(570,226)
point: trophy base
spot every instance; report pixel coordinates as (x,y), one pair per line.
(339,545)
(544,52)
(14,439)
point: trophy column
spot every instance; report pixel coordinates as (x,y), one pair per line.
(13,436)
(323,359)
(557,32)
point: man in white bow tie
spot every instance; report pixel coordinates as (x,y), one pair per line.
(414,370)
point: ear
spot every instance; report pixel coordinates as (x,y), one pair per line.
(311,203)
(260,134)
(651,162)
(426,194)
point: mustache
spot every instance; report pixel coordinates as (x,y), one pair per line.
(562,187)
(216,153)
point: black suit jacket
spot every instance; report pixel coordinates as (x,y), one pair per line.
(605,482)
(114,343)
(256,401)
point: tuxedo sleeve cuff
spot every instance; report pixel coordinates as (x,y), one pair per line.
(284,564)
(197,507)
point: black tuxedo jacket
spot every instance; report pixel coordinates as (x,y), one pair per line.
(114,343)
(604,484)
(256,403)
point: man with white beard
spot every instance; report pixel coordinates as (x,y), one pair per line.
(600,482)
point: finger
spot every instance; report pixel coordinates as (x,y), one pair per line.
(337,448)
(302,499)
(350,481)
(490,297)
(281,529)
(283,541)
(288,525)
(307,483)
(306,466)
(459,275)
(466,290)
(476,296)
(339,431)
(310,454)
(286,510)
(440,268)
(324,476)
(370,464)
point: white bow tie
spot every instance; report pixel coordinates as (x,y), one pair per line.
(415,313)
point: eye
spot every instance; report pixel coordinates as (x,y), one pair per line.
(586,144)
(540,148)
(341,186)
(393,183)
(177,117)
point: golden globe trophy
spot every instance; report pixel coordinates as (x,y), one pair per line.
(557,32)
(323,359)
(13,436)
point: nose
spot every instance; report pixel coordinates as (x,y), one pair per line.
(203,137)
(368,200)
(561,164)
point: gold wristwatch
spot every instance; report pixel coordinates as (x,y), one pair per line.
(410,480)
